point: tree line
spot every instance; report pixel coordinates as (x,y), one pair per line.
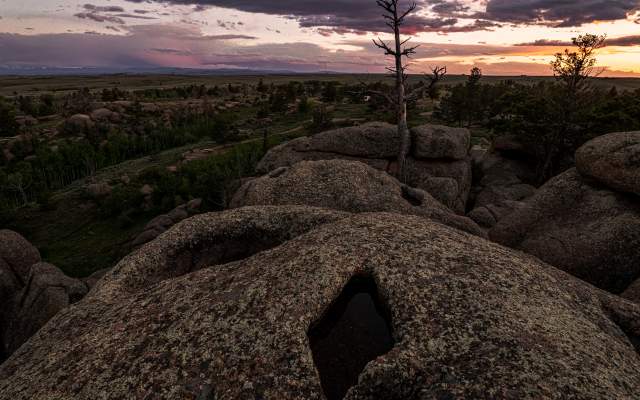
(551,118)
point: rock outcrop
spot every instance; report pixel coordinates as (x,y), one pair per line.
(470,319)
(80,123)
(31,292)
(161,223)
(441,142)
(612,159)
(91,280)
(348,186)
(374,144)
(580,227)
(502,179)
(104,115)
(211,239)
(17,255)
(48,291)
(633,292)
(439,162)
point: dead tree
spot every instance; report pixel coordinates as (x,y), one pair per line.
(437,74)
(394,19)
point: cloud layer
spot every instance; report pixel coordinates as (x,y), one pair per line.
(363,15)
(312,35)
(559,13)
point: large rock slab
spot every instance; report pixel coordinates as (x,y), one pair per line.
(438,162)
(500,186)
(633,292)
(579,227)
(447,181)
(48,291)
(377,142)
(612,159)
(470,319)
(161,223)
(31,292)
(18,254)
(347,186)
(210,239)
(441,142)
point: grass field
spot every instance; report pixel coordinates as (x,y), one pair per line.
(30,85)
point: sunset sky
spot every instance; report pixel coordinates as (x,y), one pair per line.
(503,37)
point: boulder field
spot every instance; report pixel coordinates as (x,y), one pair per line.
(203,312)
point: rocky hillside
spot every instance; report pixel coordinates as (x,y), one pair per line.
(329,278)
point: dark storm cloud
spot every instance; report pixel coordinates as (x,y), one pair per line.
(449,8)
(559,13)
(363,15)
(99,17)
(95,8)
(135,16)
(623,41)
(338,15)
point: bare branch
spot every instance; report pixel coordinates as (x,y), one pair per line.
(386,96)
(437,74)
(411,8)
(382,45)
(407,52)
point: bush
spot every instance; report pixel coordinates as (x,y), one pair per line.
(122,198)
(303,105)
(322,118)
(8,125)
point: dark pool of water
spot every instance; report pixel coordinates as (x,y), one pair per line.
(354,331)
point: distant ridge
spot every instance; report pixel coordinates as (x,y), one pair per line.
(45,70)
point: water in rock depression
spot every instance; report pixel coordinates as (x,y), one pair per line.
(355,330)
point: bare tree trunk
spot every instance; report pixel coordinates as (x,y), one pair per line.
(403,128)
(405,143)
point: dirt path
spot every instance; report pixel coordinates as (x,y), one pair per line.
(202,153)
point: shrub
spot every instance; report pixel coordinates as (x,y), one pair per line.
(8,125)
(322,118)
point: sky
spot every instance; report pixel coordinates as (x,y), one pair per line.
(502,37)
